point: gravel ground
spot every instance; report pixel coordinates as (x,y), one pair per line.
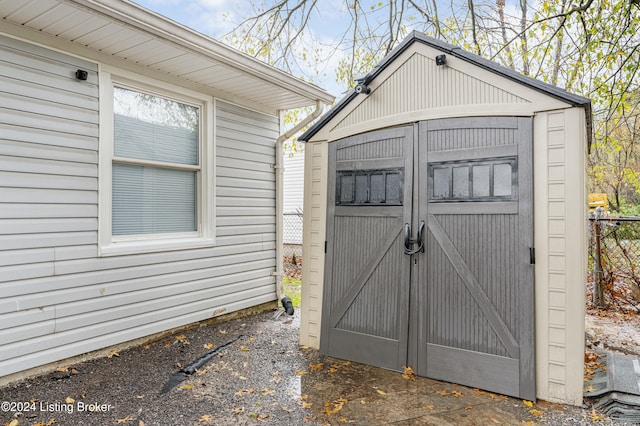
(263,377)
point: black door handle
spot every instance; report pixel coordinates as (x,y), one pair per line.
(408,241)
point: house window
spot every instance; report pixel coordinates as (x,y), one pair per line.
(156,168)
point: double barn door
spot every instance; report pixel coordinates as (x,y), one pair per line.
(429,252)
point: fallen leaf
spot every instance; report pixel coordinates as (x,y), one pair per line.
(69,400)
(590,388)
(13,422)
(267,391)
(181,337)
(495,421)
(343,420)
(62,369)
(187,386)
(442,392)
(381,392)
(316,367)
(113,353)
(74,371)
(140,423)
(244,348)
(428,406)
(595,416)
(331,408)
(307,404)
(222,331)
(300,372)
(125,420)
(285,409)
(527,403)
(536,413)
(408,373)
(347,363)
(262,417)
(208,345)
(456,394)
(333,370)
(205,418)
(238,410)
(304,347)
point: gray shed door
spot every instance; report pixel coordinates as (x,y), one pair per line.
(365,315)
(460,308)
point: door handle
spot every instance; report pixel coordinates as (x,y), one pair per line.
(408,241)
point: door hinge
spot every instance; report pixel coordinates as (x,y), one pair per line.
(532,255)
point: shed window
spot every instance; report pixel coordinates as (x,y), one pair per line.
(477,180)
(369,187)
(156,167)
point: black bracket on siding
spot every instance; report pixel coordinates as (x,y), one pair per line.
(532,255)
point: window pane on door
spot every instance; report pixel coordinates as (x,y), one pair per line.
(441,180)
(461,182)
(481,186)
(502,180)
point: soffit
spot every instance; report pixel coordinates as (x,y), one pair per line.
(126,31)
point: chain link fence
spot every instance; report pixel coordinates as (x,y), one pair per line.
(292,239)
(614,258)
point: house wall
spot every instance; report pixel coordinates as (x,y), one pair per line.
(293,196)
(413,88)
(57,297)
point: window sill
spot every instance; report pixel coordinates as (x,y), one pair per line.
(153,246)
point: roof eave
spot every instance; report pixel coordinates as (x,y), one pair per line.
(143,19)
(553,91)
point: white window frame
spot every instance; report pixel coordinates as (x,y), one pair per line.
(110,245)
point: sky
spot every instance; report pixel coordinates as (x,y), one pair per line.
(215,18)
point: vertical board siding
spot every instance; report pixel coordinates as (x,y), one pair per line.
(420,84)
(455,317)
(57,297)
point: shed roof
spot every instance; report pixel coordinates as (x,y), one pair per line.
(548,89)
(125,30)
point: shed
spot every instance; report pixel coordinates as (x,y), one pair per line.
(139,177)
(444,224)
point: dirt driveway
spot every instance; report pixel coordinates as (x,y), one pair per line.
(263,377)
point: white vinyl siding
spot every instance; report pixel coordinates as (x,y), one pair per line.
(57,297)
(293,196)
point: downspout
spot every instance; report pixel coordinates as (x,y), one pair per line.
(280,193)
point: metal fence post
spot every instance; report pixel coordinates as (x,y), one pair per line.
(598,292)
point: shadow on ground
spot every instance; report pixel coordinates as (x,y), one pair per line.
(264,377)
